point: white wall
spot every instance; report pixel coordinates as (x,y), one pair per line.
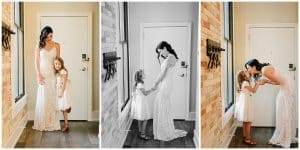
(254,13)
(31,39)
(163,12)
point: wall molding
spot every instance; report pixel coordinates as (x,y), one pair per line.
(16,135)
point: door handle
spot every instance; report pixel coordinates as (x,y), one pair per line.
(292,67)
(83,69)
(182,75)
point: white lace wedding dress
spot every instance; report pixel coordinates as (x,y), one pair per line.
(163,125)
(46,114)
(285,129)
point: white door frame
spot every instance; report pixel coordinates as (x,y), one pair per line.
(273,25)
(89,50)
(167,24)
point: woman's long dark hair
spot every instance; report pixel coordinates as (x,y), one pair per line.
(257,64)
(164,44)
(44,33)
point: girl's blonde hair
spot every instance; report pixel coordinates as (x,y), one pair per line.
(138,77)
(62,65)
(240,78)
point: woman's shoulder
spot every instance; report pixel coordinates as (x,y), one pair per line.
(171,60)
(267,69)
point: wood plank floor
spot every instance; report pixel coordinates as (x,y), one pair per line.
(260,134)
(82,134)
(132,140)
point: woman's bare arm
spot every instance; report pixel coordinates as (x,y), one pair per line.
(37,60)
(57,46)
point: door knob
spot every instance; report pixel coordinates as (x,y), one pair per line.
(83,69)
(182,75)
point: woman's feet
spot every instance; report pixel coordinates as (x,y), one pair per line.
(65,128)
(143,136)
(249,141)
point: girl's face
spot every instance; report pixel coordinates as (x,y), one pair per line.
(49,37)
(57,65)
(247,75)
(251,70)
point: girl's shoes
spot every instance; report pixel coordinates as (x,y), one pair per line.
(65,129)
(249,141)
(143,136)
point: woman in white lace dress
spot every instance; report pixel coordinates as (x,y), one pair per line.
(46,115)
(285,129)
(163,125)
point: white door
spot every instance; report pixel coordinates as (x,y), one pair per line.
(179,37)
(277,45)
(73,35)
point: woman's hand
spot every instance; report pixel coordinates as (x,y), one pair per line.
(41,79)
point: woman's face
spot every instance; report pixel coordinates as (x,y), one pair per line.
(49,37)
(251,70)
(57,65)
(163,52)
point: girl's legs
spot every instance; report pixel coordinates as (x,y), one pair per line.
(144,127)
(244,129)
(140,126)
(247,134)
(66,126)
(142,130)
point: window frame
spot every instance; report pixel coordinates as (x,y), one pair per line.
(20,28)
(228,40)
(123,28)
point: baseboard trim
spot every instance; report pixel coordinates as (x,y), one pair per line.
(231,134)
(18,132)
(95,115)
(196,138)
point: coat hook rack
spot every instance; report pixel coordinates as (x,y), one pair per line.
(213,52)
(109,64)
(6,36)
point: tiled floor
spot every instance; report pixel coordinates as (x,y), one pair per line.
(132,140)
(82,134)
(260,134)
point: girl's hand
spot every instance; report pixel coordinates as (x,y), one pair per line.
(41,79)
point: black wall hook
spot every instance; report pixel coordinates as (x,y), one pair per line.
(6,36)
(109,64)
(213,52)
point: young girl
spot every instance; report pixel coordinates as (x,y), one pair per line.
(243,108)
(139,108)
(63,95)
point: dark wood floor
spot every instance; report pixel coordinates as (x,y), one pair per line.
(132,140)
(82,134)
(260,134)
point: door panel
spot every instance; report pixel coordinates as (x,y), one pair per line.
(179,38)
(274,45)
